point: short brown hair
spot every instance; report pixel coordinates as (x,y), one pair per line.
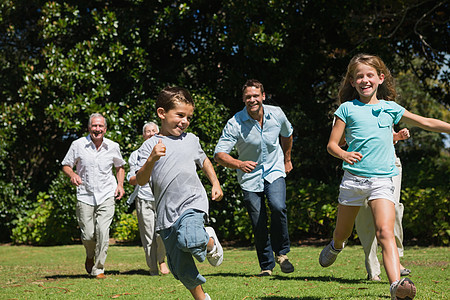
(170,96)
(253,83)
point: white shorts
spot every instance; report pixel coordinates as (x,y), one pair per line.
(354,190)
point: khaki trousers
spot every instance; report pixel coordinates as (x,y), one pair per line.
(151,241)
(94,222)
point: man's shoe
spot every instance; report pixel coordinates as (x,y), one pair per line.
(405,272)
(404,289)
(89,264)
(285,264)
(374,278)
(328,256)
(215,256)
(265,273)
(100,276)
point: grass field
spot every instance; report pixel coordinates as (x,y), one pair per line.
(58,273)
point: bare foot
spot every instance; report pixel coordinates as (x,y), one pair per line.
(163,268)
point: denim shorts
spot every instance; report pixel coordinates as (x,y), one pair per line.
(354,190)
(184,240)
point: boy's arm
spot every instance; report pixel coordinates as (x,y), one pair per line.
(429,124)
(144,173)
(208,169)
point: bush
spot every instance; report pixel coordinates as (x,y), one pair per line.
(426,217)
(312,208)
(127,228)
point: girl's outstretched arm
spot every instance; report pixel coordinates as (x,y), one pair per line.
(429,124)
(335,139)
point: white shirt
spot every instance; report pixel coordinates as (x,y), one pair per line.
(95,168)
(143,192)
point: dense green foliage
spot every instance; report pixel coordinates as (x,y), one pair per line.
(60,61)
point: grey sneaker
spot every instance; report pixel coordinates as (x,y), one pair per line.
(265,273)
(215,256)
(403,290)
(285,264)
(405,272)
(328,256)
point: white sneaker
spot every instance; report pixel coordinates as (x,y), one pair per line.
(215,256)
(404,289)
(207,297)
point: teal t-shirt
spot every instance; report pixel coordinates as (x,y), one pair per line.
(368,130)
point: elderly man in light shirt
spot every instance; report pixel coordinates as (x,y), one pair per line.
(94,157)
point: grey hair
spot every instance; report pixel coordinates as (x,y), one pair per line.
(150,124)
(96,115)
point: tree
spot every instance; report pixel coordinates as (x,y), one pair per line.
(62,60)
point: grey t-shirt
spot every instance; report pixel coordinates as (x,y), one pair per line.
(174,181)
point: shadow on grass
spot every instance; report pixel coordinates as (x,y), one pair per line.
(111,272)
(282,298)
(296,278)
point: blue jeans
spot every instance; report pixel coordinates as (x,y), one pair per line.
(184,240)
(278,241)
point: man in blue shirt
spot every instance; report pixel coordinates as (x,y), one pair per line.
(263,138)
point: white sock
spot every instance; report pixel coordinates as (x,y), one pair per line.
(393,285)
(332,246)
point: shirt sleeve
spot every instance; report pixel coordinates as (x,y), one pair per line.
(228,138)
(118,160)
(286,129)
(132,161)
(69,159)
(341,113)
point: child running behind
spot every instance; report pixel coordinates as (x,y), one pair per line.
(170,159)
(366,116)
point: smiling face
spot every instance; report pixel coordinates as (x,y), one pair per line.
(150,130)
(253,99)
(97,129)
(175,121)
(366,81)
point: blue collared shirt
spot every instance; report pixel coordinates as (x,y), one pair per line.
(258,145)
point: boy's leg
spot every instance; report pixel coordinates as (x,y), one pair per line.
(187,234)
(384,217)
(198,293)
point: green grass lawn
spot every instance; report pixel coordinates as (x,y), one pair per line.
(58,273)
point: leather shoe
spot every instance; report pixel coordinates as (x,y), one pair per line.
(100,276)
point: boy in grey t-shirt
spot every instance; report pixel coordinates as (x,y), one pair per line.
(170,159)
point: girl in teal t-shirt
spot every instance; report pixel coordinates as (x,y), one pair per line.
(369,166)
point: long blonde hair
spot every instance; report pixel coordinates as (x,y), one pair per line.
(386,91)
